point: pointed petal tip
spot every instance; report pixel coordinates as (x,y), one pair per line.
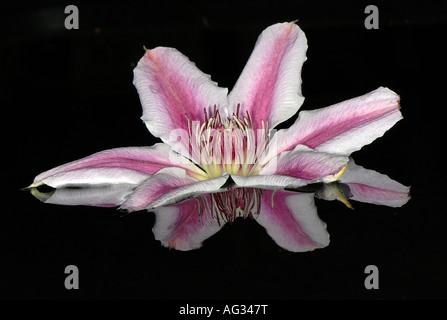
(340,173)
(277,60)
(346,202)
(32,185)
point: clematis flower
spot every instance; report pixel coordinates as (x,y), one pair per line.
(221,158)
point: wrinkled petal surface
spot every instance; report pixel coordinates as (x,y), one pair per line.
(344,127)
(269,87)
(171,89)
(272,182)
(292,221)
(305,163)
(140,160)
(180,227)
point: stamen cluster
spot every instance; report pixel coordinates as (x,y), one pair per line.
(227,145)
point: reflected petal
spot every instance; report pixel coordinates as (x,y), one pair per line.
(292,221)
(180,227)
(170,186)
(373,187)
(98,196)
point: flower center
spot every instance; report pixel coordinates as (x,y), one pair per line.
(229,205)
(227,145)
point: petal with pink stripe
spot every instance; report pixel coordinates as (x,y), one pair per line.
(344,127)
(172,89)
(169,186)
(140,160)
(292,221)
(180,227)
(307,164)
(373,187)
(269,87)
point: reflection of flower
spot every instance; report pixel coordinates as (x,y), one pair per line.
(220,158)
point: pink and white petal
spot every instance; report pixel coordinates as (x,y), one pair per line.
(171,89)
(373,187)
(91,187)
(93,177)
(292,221)
(162,182)
(305,163)
(191,190)
(272,182)
(143,160)
(180,227)
(269,87)
(100,196)
(167,187)
(344,127)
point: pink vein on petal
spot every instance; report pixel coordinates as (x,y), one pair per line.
(173,88)
(148,160)
(334,126)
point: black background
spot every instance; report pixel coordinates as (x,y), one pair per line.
(68,93)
